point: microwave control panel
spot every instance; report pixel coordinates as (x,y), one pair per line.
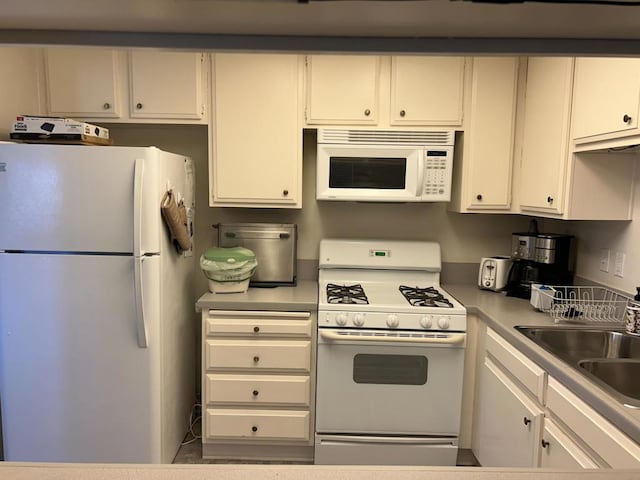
(438,168)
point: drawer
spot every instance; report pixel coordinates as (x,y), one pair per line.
(257,424)
(613,446)
(524,370)
(294,355)
(258,324)
(294,390)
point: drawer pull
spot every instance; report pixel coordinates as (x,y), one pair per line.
(256,359)
(256,329)
(254,429)
(255,393)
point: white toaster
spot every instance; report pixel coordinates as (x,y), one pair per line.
(494,272)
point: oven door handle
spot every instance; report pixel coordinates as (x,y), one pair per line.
(337,439)
(453,339)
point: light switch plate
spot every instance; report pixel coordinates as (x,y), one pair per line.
(619,267)
(604,259)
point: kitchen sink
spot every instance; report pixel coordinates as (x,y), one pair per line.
(610,358)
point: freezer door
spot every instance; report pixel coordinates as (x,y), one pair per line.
(75,385)
(70,198)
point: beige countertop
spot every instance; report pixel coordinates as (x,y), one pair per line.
(303,296)
(17,471)
(503,313)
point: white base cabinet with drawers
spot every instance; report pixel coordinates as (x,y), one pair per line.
(523,417)
(258,386)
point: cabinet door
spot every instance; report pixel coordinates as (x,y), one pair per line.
(490,132)
(559,451)
(426,90)
(21,85)
(82,82)
(342,89)
(165,84)
(545,134)
(256,131)
(508,424)
(607,94)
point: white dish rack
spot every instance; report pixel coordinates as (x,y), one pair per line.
(583,304)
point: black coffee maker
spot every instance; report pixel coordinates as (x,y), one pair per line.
(545,258)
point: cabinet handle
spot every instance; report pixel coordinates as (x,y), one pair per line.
(478,197)
(402,113)
(106,106)
(367,112)
(256,359)
(255,393)
(285,192)
(626,118)
(549,199)
(544,443)
(256,329)
(139,106)
(526,421)
(254,429)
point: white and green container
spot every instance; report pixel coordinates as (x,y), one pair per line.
(228,269)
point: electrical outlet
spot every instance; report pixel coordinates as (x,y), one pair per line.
(619,268)
(604,259)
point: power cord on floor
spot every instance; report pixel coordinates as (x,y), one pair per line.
(194,418)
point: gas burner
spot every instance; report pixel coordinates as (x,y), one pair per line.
(425,297)
(346,294)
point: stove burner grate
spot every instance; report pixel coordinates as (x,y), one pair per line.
(346,294)
(425,297)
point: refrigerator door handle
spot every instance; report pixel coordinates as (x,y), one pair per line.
(141,323)
(138,187)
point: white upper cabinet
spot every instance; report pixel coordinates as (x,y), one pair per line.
(426,90)
(545,145)
(82,82)
(607,98)
(484,157)
(21,82)
(166,84)
(342,89)
(388,92)
(147,85)
(256,131)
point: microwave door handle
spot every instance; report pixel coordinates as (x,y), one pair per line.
(421,173)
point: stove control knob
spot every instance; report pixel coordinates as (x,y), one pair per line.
(392,321)
(443,322)
(341,319)
(358,320)
(426,321)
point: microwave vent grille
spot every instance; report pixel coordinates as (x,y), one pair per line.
(386,137)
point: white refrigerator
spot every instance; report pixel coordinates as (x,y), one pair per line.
(96,305)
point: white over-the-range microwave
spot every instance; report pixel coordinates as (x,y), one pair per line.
(384,165)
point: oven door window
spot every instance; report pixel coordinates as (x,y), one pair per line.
(387,173)
(390,369)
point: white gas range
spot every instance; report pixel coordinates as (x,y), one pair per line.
(390,355)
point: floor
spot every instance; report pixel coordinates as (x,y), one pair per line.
(191,452)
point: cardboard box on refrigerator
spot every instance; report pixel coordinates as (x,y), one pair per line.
(54,129)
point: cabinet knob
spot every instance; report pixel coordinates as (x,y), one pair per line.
(402,113)
(526,421)
(367,112)
(626,118)
(544,443)
(285,192)
(254,429)
(106,106)
(549,199)
(479,197)
(139,106)
(256,329)
(256,359)
(255,393)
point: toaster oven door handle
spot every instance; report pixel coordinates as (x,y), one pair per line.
(447,339)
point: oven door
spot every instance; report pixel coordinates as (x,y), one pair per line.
(373,382)
(389,173)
